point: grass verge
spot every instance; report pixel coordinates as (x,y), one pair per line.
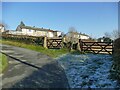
(50,52)
(3,62)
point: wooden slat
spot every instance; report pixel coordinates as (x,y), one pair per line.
(97,47)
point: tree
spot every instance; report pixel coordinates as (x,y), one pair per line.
(71,37)
(107,39)
(104,39)
(72,29)
(107,35)
(115,34)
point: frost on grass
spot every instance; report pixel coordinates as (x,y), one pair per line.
(88,71)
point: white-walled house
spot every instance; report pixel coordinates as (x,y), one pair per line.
(2,28)
(83,36)
(13,32)
(33,31)
(77,35)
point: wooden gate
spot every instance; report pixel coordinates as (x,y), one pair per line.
(54,43)
(97,47)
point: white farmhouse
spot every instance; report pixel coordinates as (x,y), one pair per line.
(2,28)
(33,31)
(77,35)
(84,36)
(13,32)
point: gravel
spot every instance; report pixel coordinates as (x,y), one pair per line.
(88,70)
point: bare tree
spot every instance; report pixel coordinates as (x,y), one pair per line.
(72,37)
(115,34)
(72,29)
(107,35)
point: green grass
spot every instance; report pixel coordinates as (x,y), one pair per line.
(50,52)
(3,62)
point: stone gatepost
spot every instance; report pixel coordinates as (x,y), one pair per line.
(79,45)
(45,42)
(63,41)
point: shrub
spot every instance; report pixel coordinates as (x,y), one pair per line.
(116,58)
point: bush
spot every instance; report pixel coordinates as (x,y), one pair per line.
(117,44)
(116,58)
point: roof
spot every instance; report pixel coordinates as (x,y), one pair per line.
(39,29)
(84,35)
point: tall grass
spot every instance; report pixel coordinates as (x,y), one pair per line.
(50,52)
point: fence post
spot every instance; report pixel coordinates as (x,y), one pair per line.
(45,42)
(112,47)
(80,45)
(63,41)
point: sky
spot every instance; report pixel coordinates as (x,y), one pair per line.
(92,18)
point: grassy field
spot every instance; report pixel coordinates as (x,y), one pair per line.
(3,62)
(50,52)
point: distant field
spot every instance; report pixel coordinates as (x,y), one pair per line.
(3,62)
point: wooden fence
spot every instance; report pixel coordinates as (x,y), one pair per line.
(54,43)
(97,47)
(42,41)
(57,43)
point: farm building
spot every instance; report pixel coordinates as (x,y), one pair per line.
(33,31)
